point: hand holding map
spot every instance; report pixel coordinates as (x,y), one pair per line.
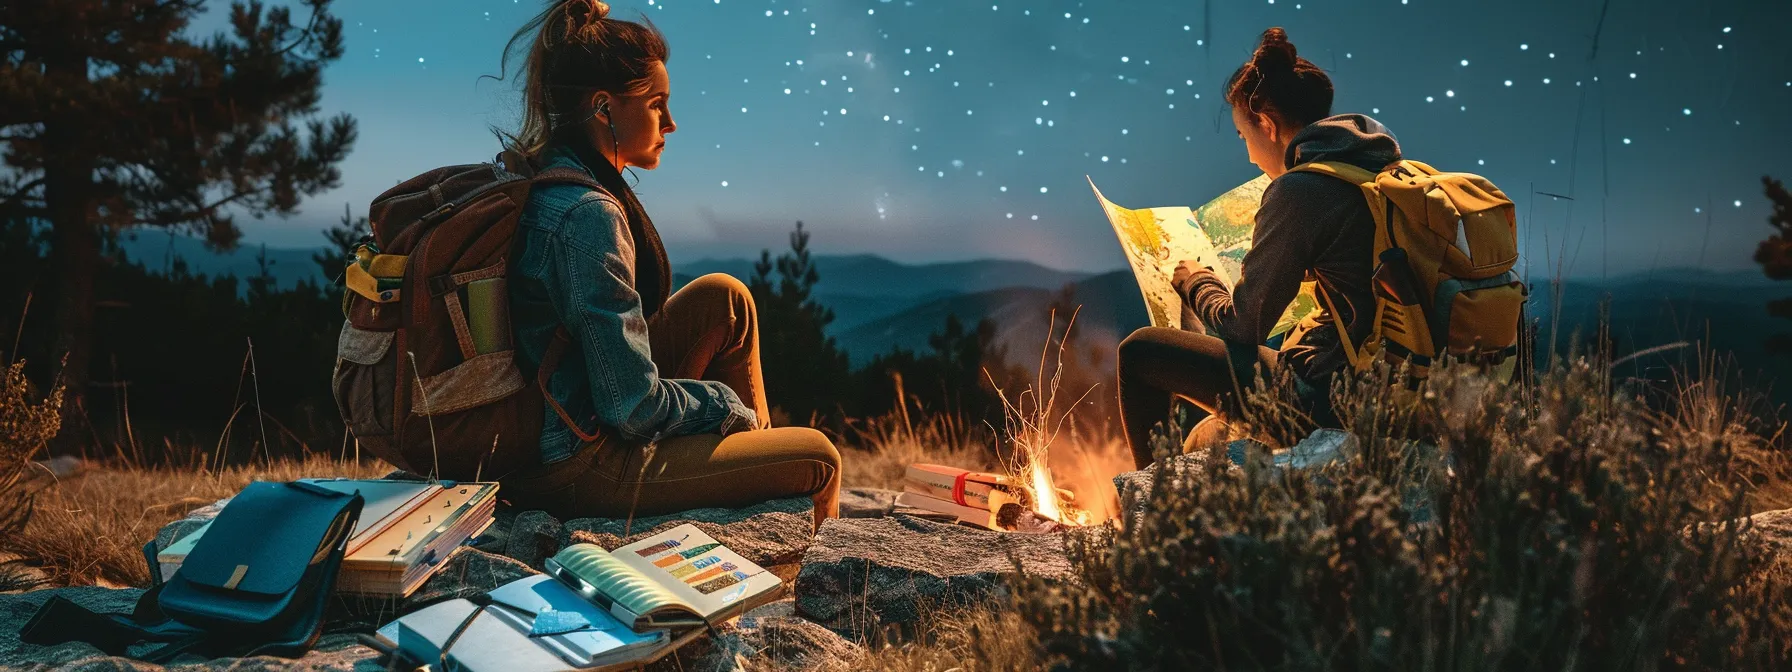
(1216,235)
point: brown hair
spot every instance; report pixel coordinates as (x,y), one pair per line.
(577,50)
(1278,82)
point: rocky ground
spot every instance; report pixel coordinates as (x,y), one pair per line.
(873,570)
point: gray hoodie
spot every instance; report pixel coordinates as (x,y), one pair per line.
(1309,225)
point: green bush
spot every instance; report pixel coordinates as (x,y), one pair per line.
(1557,526)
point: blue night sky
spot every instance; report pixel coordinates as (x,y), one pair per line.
(932,130)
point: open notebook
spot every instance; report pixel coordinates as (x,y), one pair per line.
(506,636)
(680,577)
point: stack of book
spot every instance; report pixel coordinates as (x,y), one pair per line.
(981,499)
(406,530)
(592,610)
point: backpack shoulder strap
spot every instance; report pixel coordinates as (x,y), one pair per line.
(564,175)
(1351,173)
(1378,209)
(1369,181)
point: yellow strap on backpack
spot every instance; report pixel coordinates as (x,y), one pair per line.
(1365,180)
(363,276)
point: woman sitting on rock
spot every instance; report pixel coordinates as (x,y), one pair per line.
(1308,223)
(669,382)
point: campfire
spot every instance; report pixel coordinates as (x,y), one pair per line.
(1018,503)
(1025,499)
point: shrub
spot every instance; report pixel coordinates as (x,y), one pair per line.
(24,429)
(1557,526)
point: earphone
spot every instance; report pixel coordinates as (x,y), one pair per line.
(603,108)
(615,142)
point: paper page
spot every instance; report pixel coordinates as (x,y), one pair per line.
(607,635)
(1146,245)
(405,540)
(704,573)
(630,592)
(489,644)
(385,502)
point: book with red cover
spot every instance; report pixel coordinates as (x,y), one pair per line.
(963,487)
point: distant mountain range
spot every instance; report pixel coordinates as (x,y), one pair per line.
(881,304)
(156,251)
(862,288)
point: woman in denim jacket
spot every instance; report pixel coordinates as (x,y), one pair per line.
(664,405)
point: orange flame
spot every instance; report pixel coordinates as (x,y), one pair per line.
(1045,494)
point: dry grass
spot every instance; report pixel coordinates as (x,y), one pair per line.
(983,639)
(25,426)
(877,451)
(90,529)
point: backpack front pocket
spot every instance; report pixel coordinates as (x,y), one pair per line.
(365,380)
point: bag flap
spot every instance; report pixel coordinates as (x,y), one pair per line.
(1471,193)
(362,346)
(267,536)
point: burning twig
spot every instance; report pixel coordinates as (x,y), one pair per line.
(1033,430)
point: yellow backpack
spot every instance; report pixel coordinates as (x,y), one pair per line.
(1445,247)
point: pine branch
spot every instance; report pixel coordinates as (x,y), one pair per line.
(201,213)
(20,194)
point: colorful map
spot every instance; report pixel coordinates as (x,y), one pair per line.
(1217,234)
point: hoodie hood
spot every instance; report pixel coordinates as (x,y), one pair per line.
(1347,138)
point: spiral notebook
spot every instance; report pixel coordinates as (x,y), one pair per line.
(531,624)
(680,577)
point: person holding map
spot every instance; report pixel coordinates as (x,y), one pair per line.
(1308,226)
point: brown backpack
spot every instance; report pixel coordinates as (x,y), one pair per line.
(426,376)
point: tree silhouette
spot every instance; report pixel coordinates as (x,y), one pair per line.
(1775,256)
(343,238)
(805,370)
(112,117)
(958,374)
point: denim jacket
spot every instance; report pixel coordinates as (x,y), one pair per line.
(574,265)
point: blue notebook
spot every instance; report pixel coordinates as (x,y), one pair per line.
(499,638)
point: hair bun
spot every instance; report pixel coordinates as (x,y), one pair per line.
(593,10)
(1275,54)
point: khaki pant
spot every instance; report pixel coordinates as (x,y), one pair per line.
(709,330)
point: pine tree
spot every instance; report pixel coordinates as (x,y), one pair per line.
(343,237)
(112,117)
(1775,256)
(805,370)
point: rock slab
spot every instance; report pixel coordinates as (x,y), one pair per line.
(867,502)
(864,573)
(1771,532)
(773,635)
(1134,487)
(770,533)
